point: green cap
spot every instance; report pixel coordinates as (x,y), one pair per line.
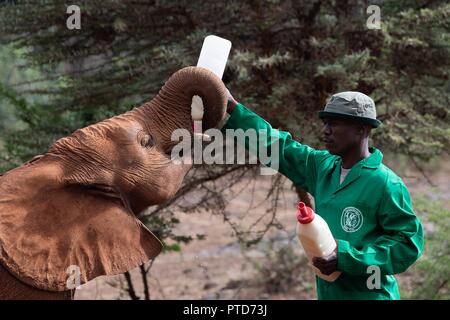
(351,105)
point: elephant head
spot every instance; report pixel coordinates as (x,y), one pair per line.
(76,205)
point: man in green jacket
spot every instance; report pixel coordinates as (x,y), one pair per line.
(366,205)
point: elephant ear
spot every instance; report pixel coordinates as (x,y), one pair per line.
(46,227)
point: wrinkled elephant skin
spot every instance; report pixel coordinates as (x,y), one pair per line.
(76,205)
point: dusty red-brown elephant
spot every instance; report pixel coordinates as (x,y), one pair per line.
(76,205)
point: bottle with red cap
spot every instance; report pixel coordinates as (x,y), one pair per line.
(315,237)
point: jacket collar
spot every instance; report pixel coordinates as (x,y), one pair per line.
(373,161)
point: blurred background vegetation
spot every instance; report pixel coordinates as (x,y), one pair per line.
(287,58)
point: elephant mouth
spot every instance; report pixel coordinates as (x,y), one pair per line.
(99,189)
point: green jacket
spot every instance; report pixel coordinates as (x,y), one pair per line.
(370,213)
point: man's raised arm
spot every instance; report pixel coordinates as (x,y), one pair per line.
(296,161)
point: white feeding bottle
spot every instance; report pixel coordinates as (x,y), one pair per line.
(315,237)
(213,56)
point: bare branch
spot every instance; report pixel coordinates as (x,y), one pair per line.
(422,171)
(145,281)
(130,287)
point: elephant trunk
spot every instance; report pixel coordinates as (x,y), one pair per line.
(170,110)
(173,101)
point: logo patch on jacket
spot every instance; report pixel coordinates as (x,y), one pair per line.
(351,219)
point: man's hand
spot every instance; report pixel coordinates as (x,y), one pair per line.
(327,265)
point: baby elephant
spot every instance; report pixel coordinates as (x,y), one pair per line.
(75,207)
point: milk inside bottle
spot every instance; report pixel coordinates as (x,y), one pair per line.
(315,237)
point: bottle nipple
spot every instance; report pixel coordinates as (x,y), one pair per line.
(305,214)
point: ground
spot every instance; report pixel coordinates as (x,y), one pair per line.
(219,268)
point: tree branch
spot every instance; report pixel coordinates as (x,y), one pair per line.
(422,171)
(130,288)
(145,281)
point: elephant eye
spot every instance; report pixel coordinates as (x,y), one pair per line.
(147,141)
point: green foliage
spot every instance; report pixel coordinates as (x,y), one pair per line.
(431,275)
(7,118)
(41,126)
(288,57)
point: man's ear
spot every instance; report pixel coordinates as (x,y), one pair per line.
(363,130)
(50,233)
(367,131)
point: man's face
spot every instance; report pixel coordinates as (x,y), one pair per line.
(341,135)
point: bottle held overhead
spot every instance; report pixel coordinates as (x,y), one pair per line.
(213,56)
